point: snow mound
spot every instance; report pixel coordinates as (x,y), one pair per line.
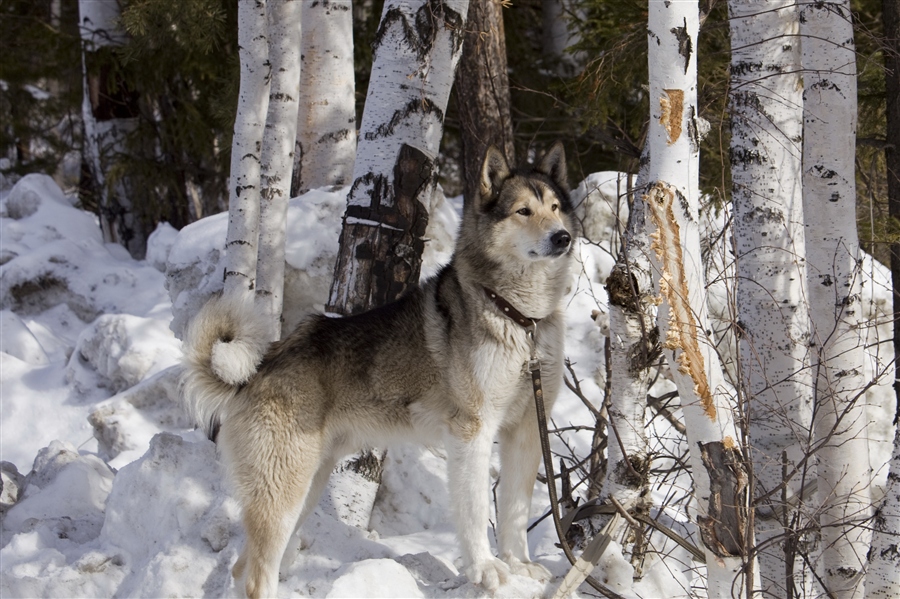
(379,578)
(125,423)
(118,350)
(171,520)
(53,253)
(59,471)
(159,244)
(18,340)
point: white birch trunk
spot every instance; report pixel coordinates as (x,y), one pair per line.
(883,573)
(277,157)
(834,262)
(326,122)
(634,347)
(249,123)
(104,133)
(417,48)
(766,105)
(672,204)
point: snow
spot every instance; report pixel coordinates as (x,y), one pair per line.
(109,491)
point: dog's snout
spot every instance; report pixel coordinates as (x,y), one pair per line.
(561,239)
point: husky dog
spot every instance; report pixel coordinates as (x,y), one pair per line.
(447,361)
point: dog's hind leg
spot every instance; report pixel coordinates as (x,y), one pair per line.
(309,504)
(272,486)
(520,455)
(468,467)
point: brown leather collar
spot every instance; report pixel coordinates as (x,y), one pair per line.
(509,311)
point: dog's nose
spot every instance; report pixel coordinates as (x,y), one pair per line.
(561,239)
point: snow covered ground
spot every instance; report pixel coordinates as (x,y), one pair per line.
(108,490)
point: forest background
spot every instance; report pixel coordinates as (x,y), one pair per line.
(173,76)
(180,61)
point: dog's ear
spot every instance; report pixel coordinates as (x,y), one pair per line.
(494,171)
(553,164)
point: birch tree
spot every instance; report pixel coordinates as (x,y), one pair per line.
(834,261)
(634,349)
(277,156)
(326,121)
(883,572)
(672,204)
(766,120)
(416,50)
(249,123)
(108,110)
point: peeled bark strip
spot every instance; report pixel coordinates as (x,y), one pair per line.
(277,157)
(766,129)
(672,204)
(326,122)
(249,123)
(834,261)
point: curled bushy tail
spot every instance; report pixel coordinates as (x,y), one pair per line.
(223,346)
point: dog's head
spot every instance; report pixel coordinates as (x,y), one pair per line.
(527,210)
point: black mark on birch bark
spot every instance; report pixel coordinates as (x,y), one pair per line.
(724,527)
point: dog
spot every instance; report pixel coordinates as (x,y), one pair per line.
(447,361)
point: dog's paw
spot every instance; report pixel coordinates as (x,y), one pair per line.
(529,569)
(490,573)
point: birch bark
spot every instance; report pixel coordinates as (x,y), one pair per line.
(277,156)
(417,48)
(672,204)
(834,271)
(326,122)
(249,123)
(883,573)
(766,112)
(634,349)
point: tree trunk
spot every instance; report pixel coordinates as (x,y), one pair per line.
(634,350)
(277,157)
(883,572)
(834,263)
(249,123)
(326,123)
(673,205)
(482,91)
(416,50)
(766,113)
(109,109)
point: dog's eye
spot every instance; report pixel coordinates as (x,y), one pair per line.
(524,211)
(554,207)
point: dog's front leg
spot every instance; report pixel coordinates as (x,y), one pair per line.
(520,455)
(468,467)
